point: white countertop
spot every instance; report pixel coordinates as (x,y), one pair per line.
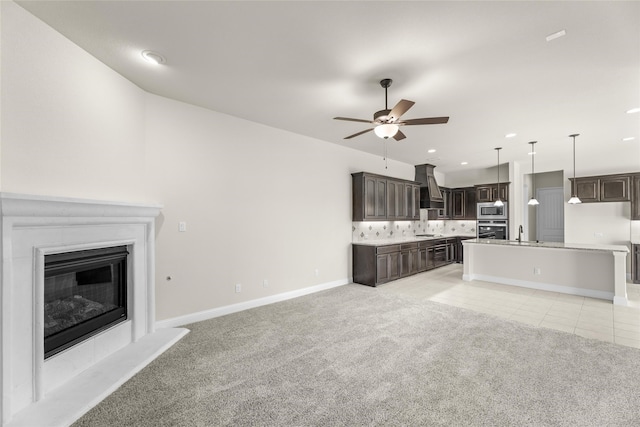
(551,245)
(400,240)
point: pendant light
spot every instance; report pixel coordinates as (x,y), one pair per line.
(574,200)
(498,202)
(533,201)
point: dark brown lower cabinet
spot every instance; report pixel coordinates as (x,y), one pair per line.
(635,263)
(374,265)
(408,259)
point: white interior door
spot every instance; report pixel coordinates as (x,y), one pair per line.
(550,215)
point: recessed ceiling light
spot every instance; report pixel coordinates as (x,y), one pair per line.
(431,150)
(634,110)
(556,35)
(510,135)
(629,138)
(153,57)
(464,163)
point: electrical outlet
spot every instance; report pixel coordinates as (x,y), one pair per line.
(536,270)
(316,272)
(182,226)
(238,287)
(597,234)
(265,283)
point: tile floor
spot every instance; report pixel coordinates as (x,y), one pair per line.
(587,317)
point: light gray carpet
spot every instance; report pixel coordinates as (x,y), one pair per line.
(355,356)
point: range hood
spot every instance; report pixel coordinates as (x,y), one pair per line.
(430,194)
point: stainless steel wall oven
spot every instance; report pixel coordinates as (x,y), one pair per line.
(493,229)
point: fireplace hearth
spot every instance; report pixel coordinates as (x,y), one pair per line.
(85,292)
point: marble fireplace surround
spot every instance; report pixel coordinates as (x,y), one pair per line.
(62,388)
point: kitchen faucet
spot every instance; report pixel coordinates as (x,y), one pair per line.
(520,233)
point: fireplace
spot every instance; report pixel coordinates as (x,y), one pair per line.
(85,292)
(87,261)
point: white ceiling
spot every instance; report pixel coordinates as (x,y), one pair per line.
(486,65)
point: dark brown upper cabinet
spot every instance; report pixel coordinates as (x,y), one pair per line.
(605,188)
(382,198)
(489,192)
(463,203)
(635,197)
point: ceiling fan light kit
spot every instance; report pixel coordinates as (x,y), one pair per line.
(387,122)
(386,130)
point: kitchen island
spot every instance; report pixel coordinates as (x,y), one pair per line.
(596,271)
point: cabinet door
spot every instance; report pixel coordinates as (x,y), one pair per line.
(635,200)
(470,210)
(458,204)
(422,259)
(394,265)
(504,192)
(382,268)
(405,263)
(587,189)
(416,202)
(392,207)
(452,254)
(484,193)
(409,201)
(375,198)
(388,267)
(445,213)
(615,189)
(413,268)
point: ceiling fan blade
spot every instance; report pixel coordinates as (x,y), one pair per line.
(353,120)
(357,134)
(401,107)
(399,136)
(425,121)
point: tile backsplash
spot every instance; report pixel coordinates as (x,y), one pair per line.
(379,230)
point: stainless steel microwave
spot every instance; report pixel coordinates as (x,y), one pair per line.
(490,211)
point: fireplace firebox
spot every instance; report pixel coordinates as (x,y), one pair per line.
(85,292)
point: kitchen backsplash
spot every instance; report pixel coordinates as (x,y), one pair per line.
(379,230)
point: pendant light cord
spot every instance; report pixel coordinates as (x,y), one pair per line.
(533,168)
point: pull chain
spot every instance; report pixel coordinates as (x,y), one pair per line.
(385,154)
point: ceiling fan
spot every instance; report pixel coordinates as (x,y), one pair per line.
(387,121)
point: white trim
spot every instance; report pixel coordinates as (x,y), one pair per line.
(234,308)
(543,286)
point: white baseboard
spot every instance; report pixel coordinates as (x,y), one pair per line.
(591,293)
(234,308)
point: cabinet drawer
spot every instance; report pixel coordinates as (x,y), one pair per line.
(408,246)
(426,244)
(387,249)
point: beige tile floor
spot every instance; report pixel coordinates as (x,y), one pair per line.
(587,317)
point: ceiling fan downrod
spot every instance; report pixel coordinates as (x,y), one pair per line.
(385,83)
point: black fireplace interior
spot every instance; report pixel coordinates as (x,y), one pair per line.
(85,292)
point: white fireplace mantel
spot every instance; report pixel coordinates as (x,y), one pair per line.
(59,390)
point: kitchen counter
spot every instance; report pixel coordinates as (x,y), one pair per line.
(380,261)
(552,245)
(590,270)
(400,240)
